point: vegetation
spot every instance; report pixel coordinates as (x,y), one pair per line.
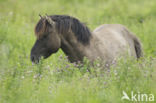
(55,80)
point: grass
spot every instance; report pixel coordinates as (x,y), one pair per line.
(55,80)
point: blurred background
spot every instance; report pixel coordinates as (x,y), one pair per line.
(18,83)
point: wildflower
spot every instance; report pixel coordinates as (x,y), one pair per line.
(22,77)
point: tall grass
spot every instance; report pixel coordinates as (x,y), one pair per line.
(55,80)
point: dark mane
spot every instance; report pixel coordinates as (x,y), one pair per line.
(65,24)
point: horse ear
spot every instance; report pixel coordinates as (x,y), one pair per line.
(40,16)
(50,21)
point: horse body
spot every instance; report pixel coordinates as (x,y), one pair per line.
(108,41)
(116,40)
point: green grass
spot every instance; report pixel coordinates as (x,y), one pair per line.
(55,80)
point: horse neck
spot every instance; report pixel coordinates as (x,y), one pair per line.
(72,47)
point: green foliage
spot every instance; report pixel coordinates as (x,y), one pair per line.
(55,80)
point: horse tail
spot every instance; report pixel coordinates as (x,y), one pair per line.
(137,44)
(138,47)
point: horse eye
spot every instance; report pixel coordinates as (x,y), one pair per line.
(45,36)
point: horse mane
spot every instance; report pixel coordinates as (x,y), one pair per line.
(64,24)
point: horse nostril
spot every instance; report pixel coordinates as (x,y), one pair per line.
(33,58)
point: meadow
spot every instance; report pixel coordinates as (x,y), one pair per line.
(55,80)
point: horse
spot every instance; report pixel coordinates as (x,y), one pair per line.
(107,42)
